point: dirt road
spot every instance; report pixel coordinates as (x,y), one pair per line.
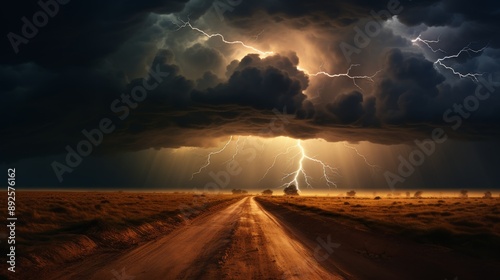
(265,238)
(242,241)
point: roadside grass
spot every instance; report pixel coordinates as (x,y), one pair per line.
(57,227)
(469,225)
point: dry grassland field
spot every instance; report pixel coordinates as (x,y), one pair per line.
(75,235)
(248,140)
(55,228)
(443,216)
(467,224)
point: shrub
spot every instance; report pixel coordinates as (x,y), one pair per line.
(351,194)
(464,194)
(487,195)
(267,192)
(418,194)
(238,191)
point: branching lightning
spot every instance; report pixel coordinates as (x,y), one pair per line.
(207,163)
(467,49)
(274,161)
(256,37)
(441,61)
(237,150)
(361,156)
(296,153)
(427,43)
(347,74)
(188,24)
(328,171)
(300,172)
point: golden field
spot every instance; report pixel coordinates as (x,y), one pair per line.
(459,215)
(56,227)
(471,225)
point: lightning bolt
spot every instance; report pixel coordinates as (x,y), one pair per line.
(188,24)
(441,61)
(361,156)
(328,171)
(347,74)
(300,172)
(256,37)
(467,49)
(274,161)
(207,163)
(427,43)
(237,150)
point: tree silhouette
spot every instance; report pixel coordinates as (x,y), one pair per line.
(291,190)
(463,194)
(267,192)
(487,195)
(418,194)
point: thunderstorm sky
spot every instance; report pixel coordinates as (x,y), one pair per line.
(216,95)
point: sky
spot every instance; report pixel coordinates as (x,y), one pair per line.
(216,95)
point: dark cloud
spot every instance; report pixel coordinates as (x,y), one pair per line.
(80,33)
(90,54)
(449,12)
(259,83)
(203,59)
(208,80)
(305,13)
(348,108)
(407,86)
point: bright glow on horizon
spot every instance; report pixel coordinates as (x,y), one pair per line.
(281,161)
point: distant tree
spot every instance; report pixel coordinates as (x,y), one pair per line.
(487,195)
(267,192)
(464,194)
(291,190)
(351,193)
(408,194)
(418,194)
(377,198)
(244,191)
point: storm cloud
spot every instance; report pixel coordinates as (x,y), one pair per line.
(64,79)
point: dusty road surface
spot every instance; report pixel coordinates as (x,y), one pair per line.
(242,241)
